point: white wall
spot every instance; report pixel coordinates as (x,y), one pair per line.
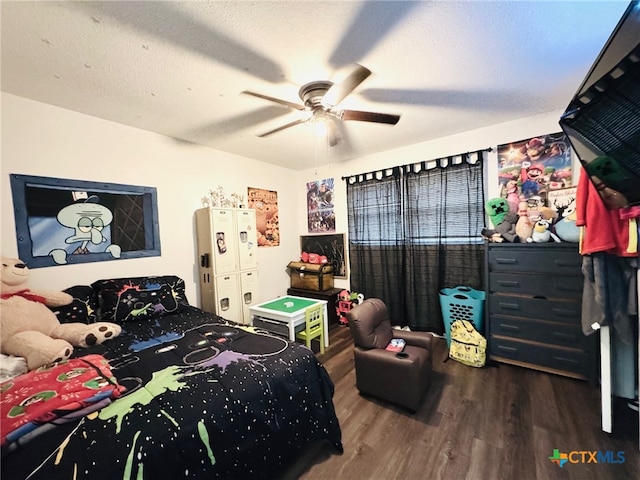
(40,139)
(470,141)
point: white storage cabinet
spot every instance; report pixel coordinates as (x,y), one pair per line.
(228,262)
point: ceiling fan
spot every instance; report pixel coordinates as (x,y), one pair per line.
(321,98)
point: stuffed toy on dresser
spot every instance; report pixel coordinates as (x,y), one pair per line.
(29,329)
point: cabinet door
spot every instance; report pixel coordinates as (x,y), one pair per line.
(205,260)
(223,240)
(247,239)
(249,285)
(227,297)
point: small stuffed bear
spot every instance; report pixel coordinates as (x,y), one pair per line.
(29,329)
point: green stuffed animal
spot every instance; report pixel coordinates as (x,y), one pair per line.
(497,209)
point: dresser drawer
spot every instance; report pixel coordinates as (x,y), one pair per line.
(556,358)
(547,286)
(566,311)
(551,333)
(532,259)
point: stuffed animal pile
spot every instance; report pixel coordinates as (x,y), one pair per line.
(533,223)
(29,329)
(314,258)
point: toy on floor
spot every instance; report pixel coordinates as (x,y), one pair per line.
(345,302)
(29,329)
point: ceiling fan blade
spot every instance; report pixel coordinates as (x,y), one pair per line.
(344,145)
(495,100)
(333,135)
(368,28)
(170,22)
(368,116)
(231,125)
(286,103)
(338,91)
(288,125)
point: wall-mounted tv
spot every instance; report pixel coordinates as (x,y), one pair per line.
(602,122)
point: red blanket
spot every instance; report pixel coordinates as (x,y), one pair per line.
(55,391)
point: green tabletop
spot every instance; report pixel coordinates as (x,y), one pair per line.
(298,304)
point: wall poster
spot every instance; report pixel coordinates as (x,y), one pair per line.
(60,221)
(533,167)
(320,213)
(265,203)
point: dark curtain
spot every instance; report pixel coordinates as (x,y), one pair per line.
(414,230)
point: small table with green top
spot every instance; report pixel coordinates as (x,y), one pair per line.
(286,315)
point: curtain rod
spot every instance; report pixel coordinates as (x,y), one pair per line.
(489,149)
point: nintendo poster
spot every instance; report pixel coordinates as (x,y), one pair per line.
(531,168)
(265,203)
(320,212)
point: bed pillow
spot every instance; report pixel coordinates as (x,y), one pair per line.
(139,298)
(83,308)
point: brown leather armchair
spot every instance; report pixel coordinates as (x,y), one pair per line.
(382,373)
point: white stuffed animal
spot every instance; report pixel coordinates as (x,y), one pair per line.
(29,329)
(541,232)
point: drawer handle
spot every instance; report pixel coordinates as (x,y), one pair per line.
(509,283)
(567,360)
(507,349)
(506,326)
(509,306)
(507,261)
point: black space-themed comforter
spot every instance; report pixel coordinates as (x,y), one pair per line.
(204,399)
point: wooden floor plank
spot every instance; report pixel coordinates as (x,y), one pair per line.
(497,422)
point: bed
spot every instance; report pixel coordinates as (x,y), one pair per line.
(190,395)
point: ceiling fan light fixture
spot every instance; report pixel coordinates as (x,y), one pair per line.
(312,93)
(320,126)
(321,97)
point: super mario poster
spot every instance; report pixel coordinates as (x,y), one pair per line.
(531,168)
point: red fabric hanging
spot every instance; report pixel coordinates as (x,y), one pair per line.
(604,230)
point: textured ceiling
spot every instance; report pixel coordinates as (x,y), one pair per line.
(178,68)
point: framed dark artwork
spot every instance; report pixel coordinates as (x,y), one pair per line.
(332,246)
(61,221)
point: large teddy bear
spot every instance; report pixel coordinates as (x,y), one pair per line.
(29,329)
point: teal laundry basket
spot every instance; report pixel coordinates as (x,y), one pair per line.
(462,303)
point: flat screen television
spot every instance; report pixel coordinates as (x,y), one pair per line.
(602,122)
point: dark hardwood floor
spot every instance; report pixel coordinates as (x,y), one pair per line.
(498,422)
